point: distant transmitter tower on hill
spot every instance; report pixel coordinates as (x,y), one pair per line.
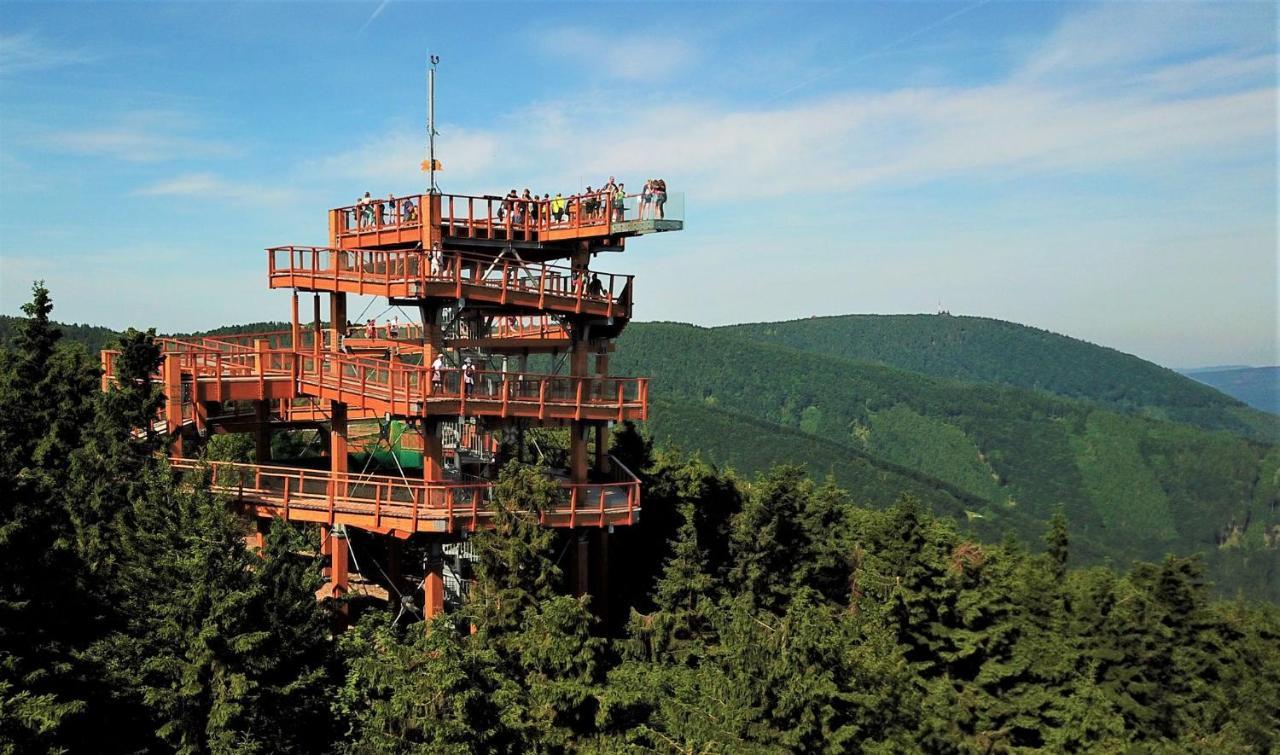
(415,418)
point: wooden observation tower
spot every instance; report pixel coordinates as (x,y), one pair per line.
(483,280)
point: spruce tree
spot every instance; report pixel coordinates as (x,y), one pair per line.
(768,539)
(45,608)
(409,690)
(679,628)
(223,646)
(120,451)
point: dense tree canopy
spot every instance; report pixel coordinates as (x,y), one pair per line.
(762,614)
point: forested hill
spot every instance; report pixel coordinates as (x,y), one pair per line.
(1132,486)
(93,337)
(993,351)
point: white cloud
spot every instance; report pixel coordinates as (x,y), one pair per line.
(1107,40)
(1229,71)
(1113,86)
(25,52)
(211,186)
(630,56)
(140,136)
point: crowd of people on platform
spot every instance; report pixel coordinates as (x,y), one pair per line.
(526,207)
(592,204)
(371,212)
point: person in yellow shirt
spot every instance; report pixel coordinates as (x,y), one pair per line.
(620,202)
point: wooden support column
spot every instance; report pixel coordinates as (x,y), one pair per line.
(338,437)
(578,357)
(337,410)
(602,429)
(602,447)
(431,217)
(295,327)
(318,339)
(433,584)
(339,575)
(582,571)
(578,431)
(337,320)
(432,333)
(262,431)
(334,547)
(200,410)
(172,373)
(260,529)
(432,451)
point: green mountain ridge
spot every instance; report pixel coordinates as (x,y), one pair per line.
(985,350)
(878,483)
(1134,486)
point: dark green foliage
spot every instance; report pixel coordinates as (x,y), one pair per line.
(92,337)
(418,691)
(1041,423)
(980,349)
(112,467)
(226,648)
(45,394)
(769,614)
(530,676)
(995,458)
(132,616)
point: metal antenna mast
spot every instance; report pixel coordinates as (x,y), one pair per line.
(431,124)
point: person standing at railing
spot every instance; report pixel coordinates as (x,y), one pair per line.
(508,206)
(606,197)
(365,206)
(620,202)
(557,207)
(597,288)
(590,202)
(370,329)
(659,197)
(436,261)
(646,196)
(393,326)
(468,377)
(437,373)
(408,213)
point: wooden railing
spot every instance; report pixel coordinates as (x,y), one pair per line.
(469,216)
(406,389)
(382,501)
(401,273)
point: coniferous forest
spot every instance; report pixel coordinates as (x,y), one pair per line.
(769,613)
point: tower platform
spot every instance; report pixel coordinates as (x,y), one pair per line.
(490,281)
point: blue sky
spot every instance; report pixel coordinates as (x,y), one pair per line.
(1107,171)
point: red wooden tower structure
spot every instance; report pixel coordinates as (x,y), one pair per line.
(491,282)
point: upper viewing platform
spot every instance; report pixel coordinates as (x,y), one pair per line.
(487,220)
